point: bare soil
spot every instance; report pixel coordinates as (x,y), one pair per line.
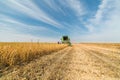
(79,62)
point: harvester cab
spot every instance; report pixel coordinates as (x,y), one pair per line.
(66,40)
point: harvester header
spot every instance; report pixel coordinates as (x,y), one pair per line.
(65,40)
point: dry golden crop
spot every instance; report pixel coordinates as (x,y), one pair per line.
(16,53)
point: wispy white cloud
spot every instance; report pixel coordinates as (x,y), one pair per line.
(53,5)
(97,20)
(32,10)
(15,29)
(105,24)
(104,11)
(9,22)
(11,29)
(77,7)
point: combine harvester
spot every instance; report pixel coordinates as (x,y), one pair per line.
(66,40)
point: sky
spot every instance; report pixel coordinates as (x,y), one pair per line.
(49,20)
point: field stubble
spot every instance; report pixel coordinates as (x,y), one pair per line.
(79,62)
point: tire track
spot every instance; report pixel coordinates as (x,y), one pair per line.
(113,58)
(105,62)
(49,70)
(79,62)
(102,56)
(36,69)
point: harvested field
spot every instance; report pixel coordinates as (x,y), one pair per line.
(79,62)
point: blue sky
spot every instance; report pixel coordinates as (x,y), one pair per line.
(49,20)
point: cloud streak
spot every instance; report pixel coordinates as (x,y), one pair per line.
(30,9)
(11,25)
(77,7)
(105,24)
(33,19)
